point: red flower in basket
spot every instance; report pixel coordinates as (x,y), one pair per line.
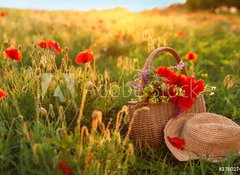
(177,79)
(191,87)
(176,142)
(198,87)
(173,78)
(163,71)
(185,103)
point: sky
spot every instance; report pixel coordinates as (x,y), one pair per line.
(132,5)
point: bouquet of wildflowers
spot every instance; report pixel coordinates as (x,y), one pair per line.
(167,85)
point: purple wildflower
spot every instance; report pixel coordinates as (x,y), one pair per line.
(179,66)
(134,85)
(179,112)
(144,76)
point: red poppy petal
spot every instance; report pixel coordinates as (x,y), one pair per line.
(185,103)
(180,34)
(62,167)
(42,44)
(63,163)
(163,72)
(191,56)
(176,142)
(3,94)
(84,57)
(3,13)
(198,87)
(13,54)
(67,171)
(80,59)
(52,45)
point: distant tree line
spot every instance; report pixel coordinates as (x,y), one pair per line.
(206,4)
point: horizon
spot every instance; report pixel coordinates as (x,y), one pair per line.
(77,5)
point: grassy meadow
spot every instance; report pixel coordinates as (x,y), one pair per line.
(39,133)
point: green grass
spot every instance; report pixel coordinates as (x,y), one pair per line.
(37,133)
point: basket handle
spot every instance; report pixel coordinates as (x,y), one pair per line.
(159,50)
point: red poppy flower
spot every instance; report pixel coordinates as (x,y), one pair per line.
(191,56)
(185,103)
(187,85)
(42,44)
(177,79)
(84,57)
(180,34)
(74,26)
(119,36)
(193,88)
(3,13)
(163,71)
(13,54)
(67,171)
(65,25)
(3,94)
(198,87)
(63,165)
(173,78)
(52,45)
(176,142)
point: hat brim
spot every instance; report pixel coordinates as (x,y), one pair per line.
(174,128)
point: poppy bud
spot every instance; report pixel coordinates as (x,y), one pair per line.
(43,111)
(89,85)
(87,69)
(52,70)
(38,72)
(20,47)
(107,80)
(66,49)
(25,89)
(97,115)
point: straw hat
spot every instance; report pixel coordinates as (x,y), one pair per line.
(205,135)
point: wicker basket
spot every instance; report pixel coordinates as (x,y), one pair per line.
(147,120)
